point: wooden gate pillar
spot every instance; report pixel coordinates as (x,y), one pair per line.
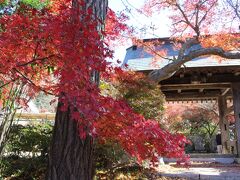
(236,106)
(223,123)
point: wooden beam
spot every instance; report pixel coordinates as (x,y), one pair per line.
(237,73)
(201,90)
(211,69)
(188,99)
(213,93)
(195,96)
(215,78)
(225,91)
(223,123)
(170,87)
(197,100)
(209,74)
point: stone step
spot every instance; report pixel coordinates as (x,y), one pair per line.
(211,155)
(227,160)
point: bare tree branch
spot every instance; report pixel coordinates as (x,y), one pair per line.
(32,83)
(234,4)
(171,68)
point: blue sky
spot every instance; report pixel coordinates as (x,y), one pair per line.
(157,26)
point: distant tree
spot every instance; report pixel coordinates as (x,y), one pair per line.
(131,87)
(194,120)
(143,95)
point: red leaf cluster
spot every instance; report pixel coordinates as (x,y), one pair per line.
(55,51)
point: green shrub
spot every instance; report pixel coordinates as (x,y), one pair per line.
(109,155)
(30,141)
(23,168)
(26,152)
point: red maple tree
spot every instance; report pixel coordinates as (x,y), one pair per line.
(60,50)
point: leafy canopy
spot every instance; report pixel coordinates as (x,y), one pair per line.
(52,50)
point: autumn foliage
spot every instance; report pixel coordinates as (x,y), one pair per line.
(55,51)
(195,114)
(142,102)
(139,92)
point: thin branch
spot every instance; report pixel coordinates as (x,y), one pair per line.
(36,59)
(31,82)
(196,20)
(205,15)
(185,17)
(235,7)
(3,85)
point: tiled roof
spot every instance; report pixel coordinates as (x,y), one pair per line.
(138,59)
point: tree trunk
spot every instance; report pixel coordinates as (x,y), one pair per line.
(71,158)
(5,127)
